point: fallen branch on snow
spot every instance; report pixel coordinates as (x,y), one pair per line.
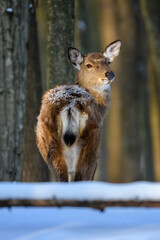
(96,195)
(75,203)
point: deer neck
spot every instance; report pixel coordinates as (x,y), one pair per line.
(100,94)
(102,97)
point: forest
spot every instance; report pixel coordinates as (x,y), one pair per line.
(34,38)
(122,203)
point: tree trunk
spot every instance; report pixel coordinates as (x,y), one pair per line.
(87,24)
(13,63)
(42,31)
(112,132)
(34,168)
(136,143)
(60,37)
(151,14)
(129,156)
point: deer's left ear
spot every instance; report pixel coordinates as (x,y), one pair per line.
(75,57)
(112,50)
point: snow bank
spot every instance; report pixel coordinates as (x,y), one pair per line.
(138,191)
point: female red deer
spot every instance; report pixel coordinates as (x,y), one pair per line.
(70,121)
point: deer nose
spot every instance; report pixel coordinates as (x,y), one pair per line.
(109,75)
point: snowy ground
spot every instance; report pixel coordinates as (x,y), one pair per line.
(81,191)
(79,223)
(49,223)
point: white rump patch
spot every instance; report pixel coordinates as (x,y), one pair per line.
(75,121)
(70,122)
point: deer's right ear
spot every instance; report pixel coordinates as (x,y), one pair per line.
(75,57)
(112,50)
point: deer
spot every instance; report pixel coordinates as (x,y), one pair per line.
(69,126)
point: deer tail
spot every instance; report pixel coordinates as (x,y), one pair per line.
(70,118)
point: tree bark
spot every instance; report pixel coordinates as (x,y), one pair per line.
(13,63)
(60,37)
(34,168)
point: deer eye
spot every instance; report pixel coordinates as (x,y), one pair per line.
(89,65)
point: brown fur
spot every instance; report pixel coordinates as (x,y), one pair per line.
(88,97)
(48,129)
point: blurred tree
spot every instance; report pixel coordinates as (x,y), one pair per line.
(41,16)
(88,12)
(13,65)
(60,37)
(34,168)
(128,128)
(151,14)
(108,32)
(136,142)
